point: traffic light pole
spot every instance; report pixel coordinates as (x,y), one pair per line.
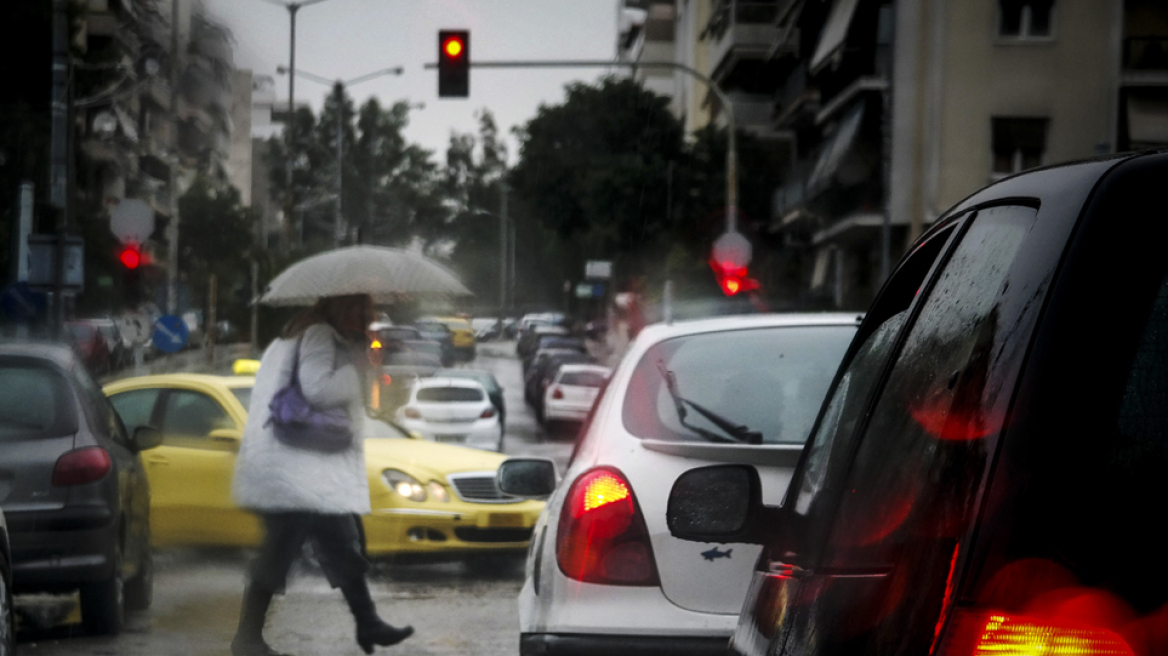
(731,124)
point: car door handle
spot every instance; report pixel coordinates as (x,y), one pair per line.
(157,461)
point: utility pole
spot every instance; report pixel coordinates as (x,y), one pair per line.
(172,225)
(59,154)
(339,229)
(502,247)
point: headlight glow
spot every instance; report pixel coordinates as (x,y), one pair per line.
(437,491)
(405,485)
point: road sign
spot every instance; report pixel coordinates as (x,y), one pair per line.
(132,221)
(20,303)
(590,290)
(170,333)
(135,327)
(42,262)
(598,269)
(732,250)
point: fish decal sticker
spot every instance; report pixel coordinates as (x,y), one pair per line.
(714,554)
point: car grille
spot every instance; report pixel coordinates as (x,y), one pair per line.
(474,534)
(479,487)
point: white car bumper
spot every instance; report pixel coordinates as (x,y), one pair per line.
(480,434)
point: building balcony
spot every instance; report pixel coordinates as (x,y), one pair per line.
(742,36)
(797,102)
(1145,61)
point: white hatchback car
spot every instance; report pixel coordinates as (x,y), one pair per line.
(604,575)
(454,411)
(570,395)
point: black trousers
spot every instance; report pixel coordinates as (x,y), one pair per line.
(339,542)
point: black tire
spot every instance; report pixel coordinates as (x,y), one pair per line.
(103,603)
(7,613)
(140,589)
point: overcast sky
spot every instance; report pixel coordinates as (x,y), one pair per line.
(348,38)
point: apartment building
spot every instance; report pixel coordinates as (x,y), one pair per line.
(898,109)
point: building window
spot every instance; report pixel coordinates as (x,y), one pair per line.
(1018,143)
(1025,19)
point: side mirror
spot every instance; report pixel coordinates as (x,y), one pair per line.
(227,437)
(146,437)
(722,503)
(534,478)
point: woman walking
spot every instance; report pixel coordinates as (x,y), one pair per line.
(299,489)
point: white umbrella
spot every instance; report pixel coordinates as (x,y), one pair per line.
(386,274)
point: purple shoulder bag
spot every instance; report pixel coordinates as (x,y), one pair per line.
(296,423)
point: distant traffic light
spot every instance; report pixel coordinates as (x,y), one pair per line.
(733,279)
(453,63)
(130,256)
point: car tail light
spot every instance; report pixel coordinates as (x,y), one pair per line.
(81,466)
(487,414)
(602,536)
(386,379)
(412,413)
(981,633)
(557,394)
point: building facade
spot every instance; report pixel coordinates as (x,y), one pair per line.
(897,109)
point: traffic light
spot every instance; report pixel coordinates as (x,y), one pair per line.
(453,63)
(733,279)
(130,256)
(132,259)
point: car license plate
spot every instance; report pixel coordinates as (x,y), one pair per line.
(509,520)
(450,438)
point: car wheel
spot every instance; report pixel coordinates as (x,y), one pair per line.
(103,603)
(7,616)
(140,589)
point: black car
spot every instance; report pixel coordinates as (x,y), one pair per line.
(7,614)
(553,342)
(74,491)
(544,366)
(489,383)
(987,472)
(529,338)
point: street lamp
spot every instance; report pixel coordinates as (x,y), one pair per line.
(293,8)
(339,228)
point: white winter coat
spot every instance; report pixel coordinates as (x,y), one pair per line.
(272,476)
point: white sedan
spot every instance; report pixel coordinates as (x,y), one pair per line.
(454,411)
(570,395)
(604,575)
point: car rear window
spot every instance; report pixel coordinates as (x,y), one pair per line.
(582,379)
(771,380)
(449,394)
(34,402)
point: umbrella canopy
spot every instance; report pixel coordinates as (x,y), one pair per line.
(386,274)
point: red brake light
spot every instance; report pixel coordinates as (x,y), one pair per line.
(602,536)
(557,393)
(984,633)
(487,414)
(386,379)
(412,413)
(81,466)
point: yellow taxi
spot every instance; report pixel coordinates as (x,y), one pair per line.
(427,498)
(462,335)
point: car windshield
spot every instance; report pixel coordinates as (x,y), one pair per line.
(244,396)
(582,378)
(449,394)
(377,428)
(771,380)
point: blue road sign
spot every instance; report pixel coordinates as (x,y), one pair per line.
(170,333)
(20,303)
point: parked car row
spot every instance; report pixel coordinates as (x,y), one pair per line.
(975,466)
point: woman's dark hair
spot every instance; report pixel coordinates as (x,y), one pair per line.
(326,310)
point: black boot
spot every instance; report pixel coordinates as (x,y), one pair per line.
(371,630)
(249,638)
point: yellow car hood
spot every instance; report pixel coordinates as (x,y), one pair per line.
(422,457)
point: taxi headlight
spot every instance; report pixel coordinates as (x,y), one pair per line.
(438,491)
(405,485)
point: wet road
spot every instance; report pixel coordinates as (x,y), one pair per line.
(454,608)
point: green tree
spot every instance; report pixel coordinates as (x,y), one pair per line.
(217,238)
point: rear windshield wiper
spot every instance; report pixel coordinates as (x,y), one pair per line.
(735,433)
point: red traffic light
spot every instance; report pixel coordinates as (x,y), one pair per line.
(130,257)
(733,279)
(453,63)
